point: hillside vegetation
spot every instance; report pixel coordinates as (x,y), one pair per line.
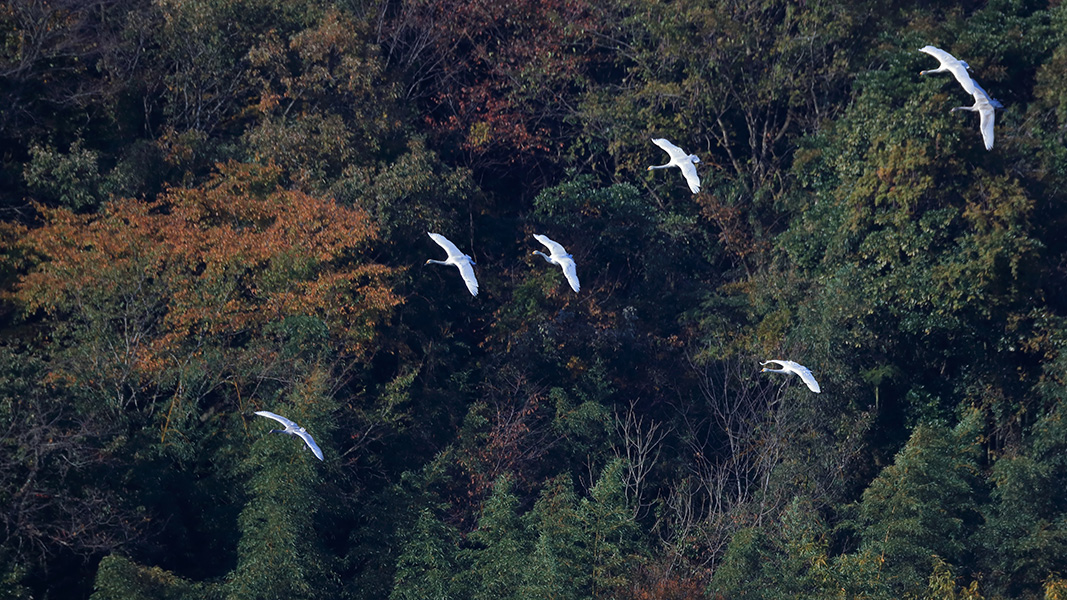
(214,207)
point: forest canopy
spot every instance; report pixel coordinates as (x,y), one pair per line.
(215,207)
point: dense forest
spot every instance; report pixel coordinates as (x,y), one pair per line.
(215,207)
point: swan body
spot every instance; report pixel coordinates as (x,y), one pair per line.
(789,366)
(680,159)
(986,109)
(558,256)
(950,63)
(456,259)
(292,428)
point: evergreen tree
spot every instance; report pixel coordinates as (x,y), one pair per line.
(429,564)
(924,505)
(501,547)
(119,578)
(279,553)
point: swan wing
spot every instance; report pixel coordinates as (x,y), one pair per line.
(554,248)
(981,95)
(467,271)
(278,418)
(570,271)
(677,154)
(955,66)
(986,116)
(689,170)
(959,70)
(805,376)
(310,441)
(450,248)
(942,57)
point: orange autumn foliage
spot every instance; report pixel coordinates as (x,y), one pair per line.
(210,264)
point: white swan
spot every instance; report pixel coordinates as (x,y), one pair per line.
(951,64)
(292,428)
(681,160)
(456,259)
(789,366)
(559,257)
(985,107)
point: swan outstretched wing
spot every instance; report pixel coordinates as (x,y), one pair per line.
(689,170)
(942,57)
(571,272)
(805,376)
(450,248)
(986,116)
(467,271)
(957,67)
(677,154)
(986,108)
(310,441)
(554,248)
(803,372)
(278,418)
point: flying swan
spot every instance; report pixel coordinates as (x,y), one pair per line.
(292,428)
(789,366)
(951,64)
(559,257)
(985,107)
(457,259)
(681,160)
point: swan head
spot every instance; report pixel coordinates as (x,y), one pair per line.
(694,158)
(649,169)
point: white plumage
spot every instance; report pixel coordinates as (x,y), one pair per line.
(986,109)
(291,428)
(559,256)
(951,64)
(789,366)
(680,159)
(456,259)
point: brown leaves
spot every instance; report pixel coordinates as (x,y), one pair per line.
(216,261)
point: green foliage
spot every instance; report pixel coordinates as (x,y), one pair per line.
(924,505)
(72,179)
(796,562)
(428,566)
(1026,522)
(118,578)
(278,553)
(216,206)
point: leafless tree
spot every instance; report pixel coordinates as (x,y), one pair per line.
(53,497)
(640,445)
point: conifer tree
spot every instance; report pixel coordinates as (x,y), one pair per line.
(429,565)
(278,553)
(924,504)
(502,547)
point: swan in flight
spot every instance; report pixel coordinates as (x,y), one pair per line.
(559,257)
(681,160)
(292,428)
(985,107)
(789,366)
(457,259)
(952,64)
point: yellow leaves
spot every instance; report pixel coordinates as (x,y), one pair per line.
(1055,588)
